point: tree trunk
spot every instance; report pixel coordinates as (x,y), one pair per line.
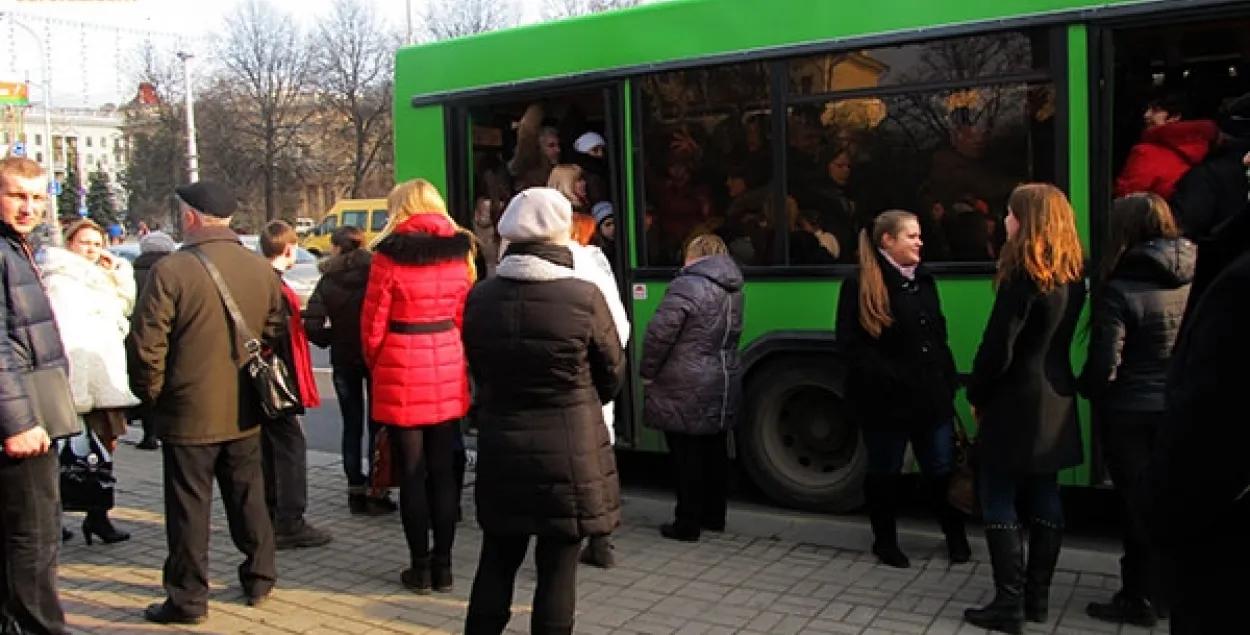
(270,212)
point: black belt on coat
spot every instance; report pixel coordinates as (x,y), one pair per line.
(410,328)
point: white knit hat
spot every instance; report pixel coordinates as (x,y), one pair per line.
(588,141)
(537,215)
(158,242)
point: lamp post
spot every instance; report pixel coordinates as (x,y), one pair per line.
(193,159)
(49,219)
(408,5)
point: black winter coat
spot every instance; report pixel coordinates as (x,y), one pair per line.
(545,356)
(690,350)
(1022,381)
(333,315)
(1136,318)
(906,377)
(142,265)
(31,340)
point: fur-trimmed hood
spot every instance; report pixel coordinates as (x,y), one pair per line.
(354,259)
(411,248)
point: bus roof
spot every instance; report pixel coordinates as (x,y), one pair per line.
(677,30)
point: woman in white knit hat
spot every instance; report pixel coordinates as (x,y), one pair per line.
(544,352)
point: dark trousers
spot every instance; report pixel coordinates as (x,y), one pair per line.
(30,530)
(555,597)
(425,453)
(701,465)
(352,385)
(999,491)
(887,447)
(189,474)
(1128,439)
(285,466)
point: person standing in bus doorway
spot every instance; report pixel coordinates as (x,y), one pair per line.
(902,378)
(1023,394)
(691,371)
(1138,301)
(547,469)
(1169,147)
(421,272)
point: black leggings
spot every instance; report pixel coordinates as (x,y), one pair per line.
(421,452)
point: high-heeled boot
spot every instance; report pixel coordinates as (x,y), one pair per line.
(1045,541)
(882,494)
(97,523)
(1006,612)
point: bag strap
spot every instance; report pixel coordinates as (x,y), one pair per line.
(250,343)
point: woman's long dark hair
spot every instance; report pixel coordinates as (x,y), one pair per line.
(1134,219)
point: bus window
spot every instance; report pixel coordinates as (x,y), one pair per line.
(378,220)
(707,163)
(356,218)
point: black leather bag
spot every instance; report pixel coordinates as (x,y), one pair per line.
(269,375)
(87,481)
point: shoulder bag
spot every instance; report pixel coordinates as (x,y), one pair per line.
(268,374)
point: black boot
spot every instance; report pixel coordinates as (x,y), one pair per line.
(97,523)
(1006,612)
(417,578)
(478,623)
(952,520)
(1125,608)
(882,494)
(440,574)
(1045,541)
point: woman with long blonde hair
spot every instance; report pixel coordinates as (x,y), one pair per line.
(420,274)
(902,379)
(1023,395)
(569,180)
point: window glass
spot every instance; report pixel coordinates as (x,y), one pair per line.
(355,218)
(378,220)
(950,60)
(707,163)
(950,156)
(329,224)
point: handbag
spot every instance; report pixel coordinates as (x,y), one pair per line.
(962,491)
(268,374)
(52,402)
(382,467)
(87,481)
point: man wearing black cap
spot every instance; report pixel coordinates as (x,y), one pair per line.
(185,364)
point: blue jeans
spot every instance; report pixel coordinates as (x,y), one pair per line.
(886,446)
(351,384)
(998,496)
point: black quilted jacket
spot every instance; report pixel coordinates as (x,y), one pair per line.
(690,351)
(31,339)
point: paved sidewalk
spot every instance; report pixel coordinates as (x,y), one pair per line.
(729,583)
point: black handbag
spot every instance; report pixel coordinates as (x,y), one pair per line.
(87,481)
(269,375)
(52,401)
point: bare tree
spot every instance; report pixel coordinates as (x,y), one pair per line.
(267,57)
(155,130)
(447,19)
(354,61)
(560,9)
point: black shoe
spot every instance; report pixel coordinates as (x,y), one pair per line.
(882,495)
(166,613)
(357,504)
(958,551)
(148,443)
(441,579)
(256,601)
(1045,541)
(305,537)
(66,534)
(418,579)
(673,531)
(1124,609)
(713,525)
(598,552)
(381,505)
(98,524)
(1006,612)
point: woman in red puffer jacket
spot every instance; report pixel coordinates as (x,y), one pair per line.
(410,331)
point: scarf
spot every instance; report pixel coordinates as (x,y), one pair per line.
(908,272)
(300,354)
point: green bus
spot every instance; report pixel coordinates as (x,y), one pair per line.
(716,112)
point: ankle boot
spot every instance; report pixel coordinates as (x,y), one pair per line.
(882,495)
(1006,612)
(440,574)
(97,523)
(1045,541)
(417,578)
(952,520)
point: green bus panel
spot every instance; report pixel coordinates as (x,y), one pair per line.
(421,145)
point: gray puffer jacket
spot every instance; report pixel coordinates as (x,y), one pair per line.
(1136,318)
(690,350)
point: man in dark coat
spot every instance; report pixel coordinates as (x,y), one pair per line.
(186,365)
(29,486)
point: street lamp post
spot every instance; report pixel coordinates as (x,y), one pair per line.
(408,5)
(49,218)
(193,159)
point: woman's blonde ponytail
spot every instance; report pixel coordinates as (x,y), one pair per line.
(874,299)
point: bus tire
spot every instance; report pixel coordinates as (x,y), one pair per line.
(799,442)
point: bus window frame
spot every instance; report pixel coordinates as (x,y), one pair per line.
(1055,74)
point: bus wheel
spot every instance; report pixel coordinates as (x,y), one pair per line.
(799,442)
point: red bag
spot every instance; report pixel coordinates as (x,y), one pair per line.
(382,467)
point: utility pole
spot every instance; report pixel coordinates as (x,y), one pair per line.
(193,159)
(408,39)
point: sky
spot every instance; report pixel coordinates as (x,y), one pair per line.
(94,43)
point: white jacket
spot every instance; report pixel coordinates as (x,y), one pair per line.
(591,265)
(92,308)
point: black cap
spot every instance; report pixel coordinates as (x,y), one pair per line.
(209,197)
(1234,119)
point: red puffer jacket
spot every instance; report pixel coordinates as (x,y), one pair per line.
(410,323)
(1163,156)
